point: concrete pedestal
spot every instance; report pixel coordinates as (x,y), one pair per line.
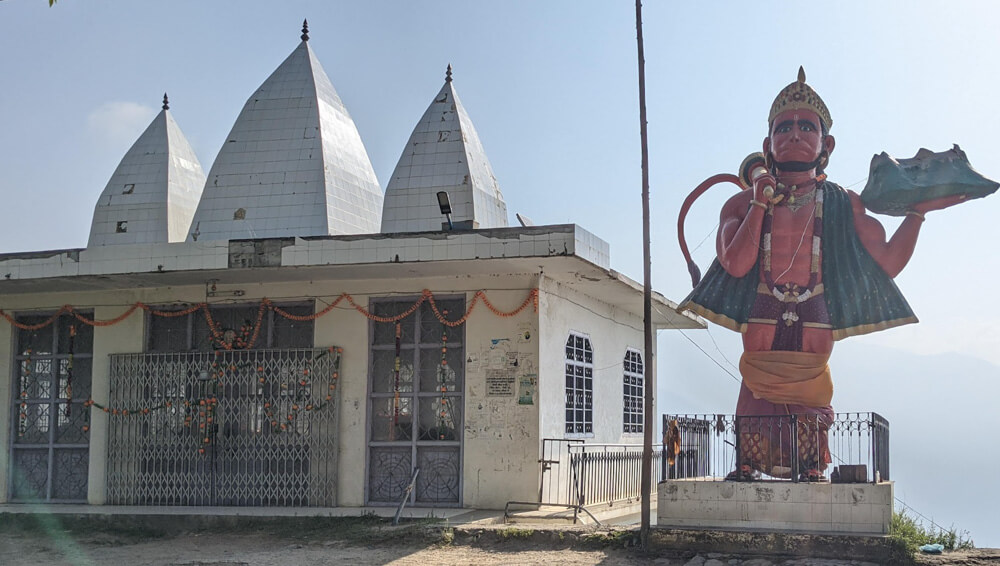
(822,508)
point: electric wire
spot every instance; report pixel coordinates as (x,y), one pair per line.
(856,183)
(696,345)
(703,240)
(900,501)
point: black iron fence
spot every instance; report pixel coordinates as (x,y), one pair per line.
(555,470)
(842,447)
(607,473)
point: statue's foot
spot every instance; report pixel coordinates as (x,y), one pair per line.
(744,473)
(812,475)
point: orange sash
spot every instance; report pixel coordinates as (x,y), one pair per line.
(795,378)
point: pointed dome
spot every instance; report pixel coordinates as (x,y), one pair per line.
(293,164)
(152,195)
(443,154)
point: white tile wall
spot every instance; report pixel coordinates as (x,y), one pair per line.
(443,154)
(181,256)
(154,190)
(294,162)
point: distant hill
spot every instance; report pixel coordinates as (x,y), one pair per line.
(944,424)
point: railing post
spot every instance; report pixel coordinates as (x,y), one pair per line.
(737,421)
(541,473)
(663,443)
(794,447)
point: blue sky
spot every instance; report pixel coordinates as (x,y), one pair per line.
(551,87)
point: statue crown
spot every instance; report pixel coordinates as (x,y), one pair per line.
(800,95)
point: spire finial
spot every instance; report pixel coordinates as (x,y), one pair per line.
(802,74)
(166,103)
(447,74)
(305,30)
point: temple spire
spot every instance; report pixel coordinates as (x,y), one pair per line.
(305,30)
(166,103)
(447,74)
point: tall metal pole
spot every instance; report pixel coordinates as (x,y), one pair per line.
(647,320)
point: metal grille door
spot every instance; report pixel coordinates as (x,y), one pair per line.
(49,453)
(416,395)
(239,428)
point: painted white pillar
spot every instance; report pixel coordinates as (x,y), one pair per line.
(348,329)
(124,337)
(6,388)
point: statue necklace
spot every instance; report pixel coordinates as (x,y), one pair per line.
(787,196)
(791,292)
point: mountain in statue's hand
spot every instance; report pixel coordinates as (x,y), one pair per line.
(896,186)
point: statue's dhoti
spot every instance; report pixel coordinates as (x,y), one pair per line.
(776,386)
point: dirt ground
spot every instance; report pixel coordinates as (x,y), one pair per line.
(347,543)
(257,550)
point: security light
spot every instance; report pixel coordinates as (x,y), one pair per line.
(445,204)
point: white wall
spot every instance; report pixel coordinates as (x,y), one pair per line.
(502,428)
(124,337)
(611,332)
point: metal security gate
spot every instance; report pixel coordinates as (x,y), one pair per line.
(233,428)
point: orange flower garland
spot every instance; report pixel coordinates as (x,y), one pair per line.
(266,304)
(201,411)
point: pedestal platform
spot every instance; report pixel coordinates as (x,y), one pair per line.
(819,508)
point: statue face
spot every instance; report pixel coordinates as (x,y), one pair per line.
(796,137)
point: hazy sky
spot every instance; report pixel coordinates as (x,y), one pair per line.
(551,88)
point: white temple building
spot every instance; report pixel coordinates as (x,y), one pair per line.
(272,335)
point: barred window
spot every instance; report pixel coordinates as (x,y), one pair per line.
(579,385)
(632,392)
(233,326)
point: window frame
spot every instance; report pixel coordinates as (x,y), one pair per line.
(54,401)
(264,341)
(415,348)
(638,382)
(578,412)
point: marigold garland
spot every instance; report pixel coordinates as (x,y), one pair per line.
(266,304)
(217,336)
(200,411)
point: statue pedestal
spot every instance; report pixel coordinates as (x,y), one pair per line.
(818,508)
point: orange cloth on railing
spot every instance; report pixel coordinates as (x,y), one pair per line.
(782,377)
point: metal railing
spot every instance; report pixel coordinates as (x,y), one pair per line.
(847,448)
(555,485)
(606,473)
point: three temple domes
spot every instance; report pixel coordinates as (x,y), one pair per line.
(294,164)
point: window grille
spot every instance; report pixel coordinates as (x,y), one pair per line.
(632,392)
(235,324)
(579,385)
(416,396)
(50,448)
